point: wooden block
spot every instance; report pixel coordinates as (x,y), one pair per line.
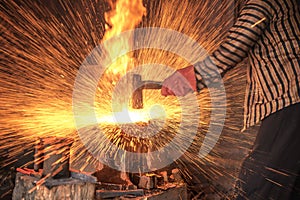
(72,190)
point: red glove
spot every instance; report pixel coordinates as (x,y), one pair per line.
(180,83)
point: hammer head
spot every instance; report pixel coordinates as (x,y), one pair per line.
(139,85)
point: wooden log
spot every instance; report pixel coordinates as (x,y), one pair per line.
(72,190)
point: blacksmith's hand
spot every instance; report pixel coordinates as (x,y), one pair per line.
(180,83)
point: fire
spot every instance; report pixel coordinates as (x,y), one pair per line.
(125,116)
(42,51)
(125,15)
(134,116)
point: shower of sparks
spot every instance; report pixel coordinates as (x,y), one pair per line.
(42,45)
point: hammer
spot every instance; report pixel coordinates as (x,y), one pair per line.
(139,85)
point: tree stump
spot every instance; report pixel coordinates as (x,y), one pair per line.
(74,189)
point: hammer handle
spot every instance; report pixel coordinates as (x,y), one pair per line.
(152,85)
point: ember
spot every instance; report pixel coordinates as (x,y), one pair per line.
(43,44)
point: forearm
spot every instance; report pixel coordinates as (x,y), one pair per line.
(243,35)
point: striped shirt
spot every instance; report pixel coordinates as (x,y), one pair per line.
(267,31)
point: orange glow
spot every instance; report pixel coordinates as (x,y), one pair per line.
(125,15)
(133,116)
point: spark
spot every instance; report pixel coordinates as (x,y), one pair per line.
(43,43)
(276,183)
(258,22)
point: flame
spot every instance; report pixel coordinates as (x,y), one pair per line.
(124,15)
(41,56)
